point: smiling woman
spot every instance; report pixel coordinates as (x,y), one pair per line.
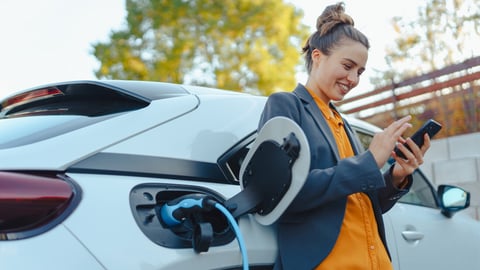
(344,190)
(378,28)
(51,40)
(65,198)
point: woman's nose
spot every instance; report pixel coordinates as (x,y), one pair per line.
(353,79)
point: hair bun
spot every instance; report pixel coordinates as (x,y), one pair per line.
(332,16)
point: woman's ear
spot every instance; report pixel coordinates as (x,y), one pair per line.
(316,55)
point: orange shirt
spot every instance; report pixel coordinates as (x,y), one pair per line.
(358,245)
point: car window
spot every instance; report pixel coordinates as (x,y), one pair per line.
(39,114)
(231,161)
(421,193)
(20,131)
(364,137)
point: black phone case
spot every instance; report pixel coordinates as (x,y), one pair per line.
(431,127)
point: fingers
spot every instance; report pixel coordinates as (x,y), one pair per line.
(413,155)
(397,128)
(408,153)
(416,154)
(426,143)
(384,142)
(401,140)
(415,151)
(402,121)
(403,167)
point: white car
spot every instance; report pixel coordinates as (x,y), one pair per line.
(87,167)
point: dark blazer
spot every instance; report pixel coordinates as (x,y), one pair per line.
(309,228)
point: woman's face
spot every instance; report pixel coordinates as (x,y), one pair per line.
(333,76)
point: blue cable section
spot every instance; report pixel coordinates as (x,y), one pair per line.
(238,233)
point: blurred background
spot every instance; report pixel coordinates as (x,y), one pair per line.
(424,58)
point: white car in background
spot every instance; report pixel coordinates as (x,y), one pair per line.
(86,166)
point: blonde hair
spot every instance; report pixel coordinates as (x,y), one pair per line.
(333,26)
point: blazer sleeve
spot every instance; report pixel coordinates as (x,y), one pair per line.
(335,180)
(390,194)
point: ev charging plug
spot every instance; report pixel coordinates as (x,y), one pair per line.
(176,211)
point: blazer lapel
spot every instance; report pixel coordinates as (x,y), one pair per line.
(312,108)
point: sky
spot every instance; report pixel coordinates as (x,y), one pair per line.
(51,40)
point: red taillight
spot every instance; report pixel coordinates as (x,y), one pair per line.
(29,202)
(32,95)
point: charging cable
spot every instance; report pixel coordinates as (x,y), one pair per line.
(238,233)
(176,211)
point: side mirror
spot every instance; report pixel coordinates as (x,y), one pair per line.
(452,199)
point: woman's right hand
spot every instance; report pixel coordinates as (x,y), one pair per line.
(384,142)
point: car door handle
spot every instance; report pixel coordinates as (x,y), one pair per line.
(412,235)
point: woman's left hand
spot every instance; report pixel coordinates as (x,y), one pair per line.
(413,159)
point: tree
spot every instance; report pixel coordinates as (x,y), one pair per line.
(243,45)
(444,33)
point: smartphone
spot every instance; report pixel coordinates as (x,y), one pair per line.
(431,127)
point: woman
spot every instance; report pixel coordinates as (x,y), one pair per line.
(335,222)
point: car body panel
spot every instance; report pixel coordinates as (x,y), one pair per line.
(202,136)
(73,146)
(426,239)
(64,252)
(133,249)
(182,140)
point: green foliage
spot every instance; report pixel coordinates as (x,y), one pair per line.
(243,45)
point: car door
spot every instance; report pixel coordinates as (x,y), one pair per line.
(419,236)
(427,239)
